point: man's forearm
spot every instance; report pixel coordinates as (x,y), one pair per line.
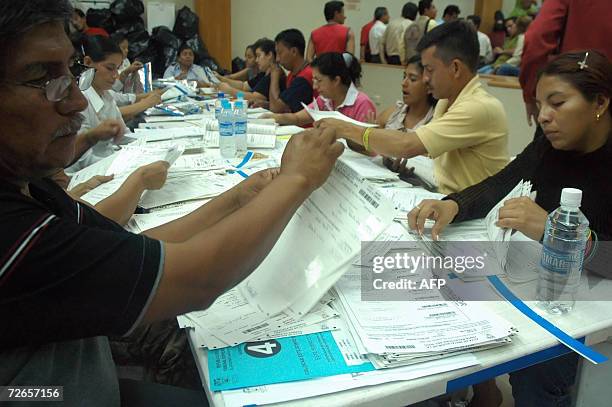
(84,141)
(204,217)
(217,258)
(120,206)
(391,143)
(276,103)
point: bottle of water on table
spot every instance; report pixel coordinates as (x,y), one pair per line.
(240,127)
(564,244)
(227,144)
(219,103)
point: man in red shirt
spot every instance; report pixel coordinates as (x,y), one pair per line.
(364,42)
(562,26)
(333,36)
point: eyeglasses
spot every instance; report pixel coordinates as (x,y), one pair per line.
(58,89)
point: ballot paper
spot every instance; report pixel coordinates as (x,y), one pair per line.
(177,133)
(281,392)
(186,118)
(124,163)
(369,168)
(321,114)
(252,128)
(423,167)
(277,361)
(211,140)
(98,168)
(328,228)
(402,332)
(232,320)
(189,186)
(139,223)
(131,158)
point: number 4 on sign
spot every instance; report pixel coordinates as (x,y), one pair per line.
(262,349)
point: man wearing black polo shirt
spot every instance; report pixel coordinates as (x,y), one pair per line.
(290,45)
(69,276)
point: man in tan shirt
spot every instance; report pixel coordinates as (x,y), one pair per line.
(392,44)
(468,136)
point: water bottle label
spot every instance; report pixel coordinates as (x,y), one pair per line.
(225,129)
(240,127)
(560,263)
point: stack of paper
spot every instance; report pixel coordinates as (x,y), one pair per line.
(369,168)
(421,328)
(232,320)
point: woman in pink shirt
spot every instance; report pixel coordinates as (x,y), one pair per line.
(335,78)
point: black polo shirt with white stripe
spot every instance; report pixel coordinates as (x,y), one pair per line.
(67,272)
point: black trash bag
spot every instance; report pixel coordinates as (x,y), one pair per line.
(126,27)
(100,18)
(199,49)
(186,25)
(238,64)
(166,46)
(126,9)
(139,43)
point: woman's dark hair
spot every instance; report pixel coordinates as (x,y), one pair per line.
(592,80)
(183,47)
(345,65)
(250,47)
(416,60)
(99,48)
(266,46)
(499,21)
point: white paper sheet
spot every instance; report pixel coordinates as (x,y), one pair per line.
(328,229)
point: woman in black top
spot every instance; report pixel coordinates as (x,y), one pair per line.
(573,95)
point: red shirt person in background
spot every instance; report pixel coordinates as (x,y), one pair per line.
(333,36)
(562,26)
(364,42)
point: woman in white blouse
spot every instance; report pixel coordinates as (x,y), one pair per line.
(103,126)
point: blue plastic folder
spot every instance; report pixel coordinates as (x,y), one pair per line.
(278,361)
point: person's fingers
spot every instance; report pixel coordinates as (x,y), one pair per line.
(508,223)
(336,149)
(509,213)
(328,136)
(102,179)
(440,224)
(321,124)
(425,213)
(412,217)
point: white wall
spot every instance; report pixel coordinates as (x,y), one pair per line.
(253,19)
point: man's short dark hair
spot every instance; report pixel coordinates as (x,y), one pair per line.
(331,8)
(79,12)
(292,38)
(380,12)
(410,11)
(451,10)
(424,5)
(19,17)
(475,19)
(454,40)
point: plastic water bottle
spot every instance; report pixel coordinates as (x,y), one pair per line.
(565,238)
(219,104)
(240,127)
(227,143)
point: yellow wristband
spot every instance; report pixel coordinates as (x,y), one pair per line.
(366,138)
